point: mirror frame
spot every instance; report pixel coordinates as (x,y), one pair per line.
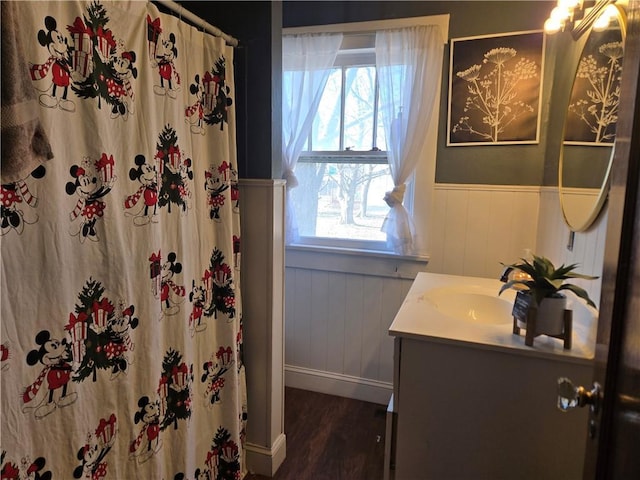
(604,187)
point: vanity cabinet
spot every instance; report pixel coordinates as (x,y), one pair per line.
(484,409)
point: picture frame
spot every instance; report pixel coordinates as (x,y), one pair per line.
(495,89)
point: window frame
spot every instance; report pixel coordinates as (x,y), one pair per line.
(361,50)
(359,157)
(356,51)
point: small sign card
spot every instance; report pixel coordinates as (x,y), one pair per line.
(521,306)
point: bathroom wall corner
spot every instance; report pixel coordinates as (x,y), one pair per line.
(262,248)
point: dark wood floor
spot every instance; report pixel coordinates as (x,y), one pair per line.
(331,438)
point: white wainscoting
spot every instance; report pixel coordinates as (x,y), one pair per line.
(338,308)
(476,228)
(588,246)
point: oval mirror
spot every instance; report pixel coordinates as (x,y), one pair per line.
(590,122)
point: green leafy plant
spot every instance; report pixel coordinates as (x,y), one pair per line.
(545,280)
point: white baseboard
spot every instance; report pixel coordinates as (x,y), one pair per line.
(337,384)
(266,461)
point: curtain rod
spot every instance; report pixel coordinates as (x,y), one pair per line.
(196,20)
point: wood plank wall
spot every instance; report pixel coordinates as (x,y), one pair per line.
(338,322)
(336,338)
(476,227)
(588,246)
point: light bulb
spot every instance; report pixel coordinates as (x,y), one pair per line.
(551,25)
(602,22)
(569,4)
(560,13)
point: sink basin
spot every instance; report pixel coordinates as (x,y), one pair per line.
(470,303)
(467,311)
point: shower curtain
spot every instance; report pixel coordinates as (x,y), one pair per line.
(121,309)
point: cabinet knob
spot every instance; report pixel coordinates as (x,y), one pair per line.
(570,396)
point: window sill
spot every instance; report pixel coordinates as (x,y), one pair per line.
(355,261)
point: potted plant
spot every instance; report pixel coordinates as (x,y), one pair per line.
(539,284)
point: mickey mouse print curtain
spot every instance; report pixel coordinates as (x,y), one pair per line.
(121,349)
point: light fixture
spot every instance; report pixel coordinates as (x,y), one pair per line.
(576,16)
(602,22)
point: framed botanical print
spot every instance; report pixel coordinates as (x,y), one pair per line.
(592,114)
(495,89)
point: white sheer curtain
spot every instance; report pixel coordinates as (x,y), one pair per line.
(306,62)
(409,65)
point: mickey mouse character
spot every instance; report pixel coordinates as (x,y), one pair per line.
(194,115)
(27,470)
(202,474)
(54,355)
(213,372)
(197,297)
(120,325)
(215,381)
(122,89)
(215,186)
(90,188)
(148,442)
(186,174)
(166,68)
(235,189)
(167,285)
(147,175)
(90,455)
(59,62)
(12,195)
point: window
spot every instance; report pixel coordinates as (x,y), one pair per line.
(343,172)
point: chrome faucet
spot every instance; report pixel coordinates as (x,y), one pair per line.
(504,278)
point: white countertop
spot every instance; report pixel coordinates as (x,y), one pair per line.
(419,319)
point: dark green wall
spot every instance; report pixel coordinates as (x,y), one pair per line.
(503,164)
(257,24)
(258,60)
(584,166)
